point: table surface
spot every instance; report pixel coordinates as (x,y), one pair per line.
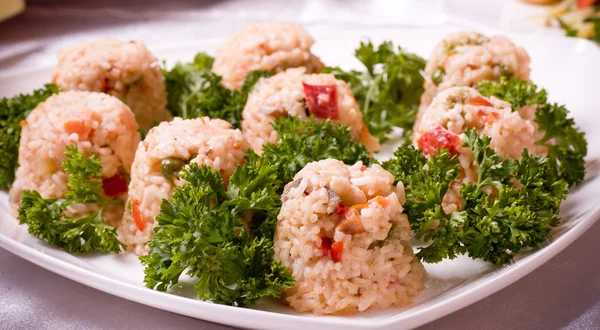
(562,294)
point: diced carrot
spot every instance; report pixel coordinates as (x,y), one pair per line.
(137,215)
(360,206)
(489,117)
(382,201)
(492,117)
(479,101)
(336,251)
(77,126)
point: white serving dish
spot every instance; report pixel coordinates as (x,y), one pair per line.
(567,68)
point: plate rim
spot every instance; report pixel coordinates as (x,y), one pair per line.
(472,293)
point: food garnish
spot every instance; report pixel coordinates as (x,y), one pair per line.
(194,91)
(578,18)
(46,219)
(13,112)
(321,100)
(389,91)
(512,206)
(223,236)
(566,143)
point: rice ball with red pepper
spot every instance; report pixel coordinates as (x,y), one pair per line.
(126,70)
(467,58)
(159,159)
(457,109)
(98,124)
(342,234)
(294,93)
(271,46)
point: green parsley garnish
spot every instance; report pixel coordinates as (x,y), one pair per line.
(566,144)
(203,232)
(493,227)
(596,21)
(515,91)
(223,236)
(569,31)
(438,75)
(194,91)
(46,220)
(12,112)
(389,91)
(302,142)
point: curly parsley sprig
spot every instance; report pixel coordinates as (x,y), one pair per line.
(302,142)
(12,112)
(223,236)
(194,91)
(495,227)
(566,143)
(202,231)
(46,220)
(389,91)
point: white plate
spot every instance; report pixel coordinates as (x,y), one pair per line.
(567,68)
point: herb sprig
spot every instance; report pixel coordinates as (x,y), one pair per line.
(565,142)
(12,112)
(389,90)
(223,236)
(494,227)
(194,91)
(46,220)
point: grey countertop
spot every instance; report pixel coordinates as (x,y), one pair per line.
(562,294)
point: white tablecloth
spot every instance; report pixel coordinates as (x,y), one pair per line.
(564,293)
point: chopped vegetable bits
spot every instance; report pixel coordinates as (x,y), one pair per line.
(321,100)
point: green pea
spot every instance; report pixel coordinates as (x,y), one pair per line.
(170,167)
(505,70)
(437,76)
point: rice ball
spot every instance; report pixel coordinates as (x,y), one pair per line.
(294,93)
(98,124)
(166,149)
(271,46)
(457,109)
(467,58)
(126,70)
(342,234)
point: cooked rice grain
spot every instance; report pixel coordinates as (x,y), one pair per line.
(99,124)
(126,70)
(283,95)
(510,131)
(377,268)
(271,46)
(468,58)
(201,141)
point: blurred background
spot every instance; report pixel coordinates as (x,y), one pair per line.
(31,31)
